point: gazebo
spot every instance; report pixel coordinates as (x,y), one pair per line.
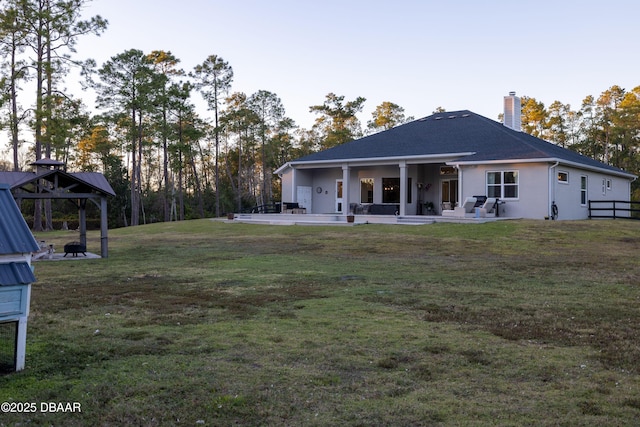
(49,181)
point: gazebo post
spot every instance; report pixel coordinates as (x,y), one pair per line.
(104,239)
(82,204)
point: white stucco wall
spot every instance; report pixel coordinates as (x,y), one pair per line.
(539,187)
(286,180)
(606,187)
(323,184)
(600,186)
(325,199)
(533,188)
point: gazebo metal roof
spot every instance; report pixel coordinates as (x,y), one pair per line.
(50,182)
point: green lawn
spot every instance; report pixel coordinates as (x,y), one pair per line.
(215,323)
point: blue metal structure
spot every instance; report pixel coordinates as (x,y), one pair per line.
(16,275)
(15,236)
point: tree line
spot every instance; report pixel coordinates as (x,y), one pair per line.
(166,161)
(606,128)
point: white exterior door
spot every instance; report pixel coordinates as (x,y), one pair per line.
(339,201)
(304,197)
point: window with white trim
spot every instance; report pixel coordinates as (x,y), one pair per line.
(366,190)
(502,184)
(563,177)
(583,190)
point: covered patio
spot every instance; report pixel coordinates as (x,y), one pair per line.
(405,188)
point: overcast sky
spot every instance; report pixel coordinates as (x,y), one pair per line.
(463,54)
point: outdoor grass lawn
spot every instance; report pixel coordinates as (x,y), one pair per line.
(220,323)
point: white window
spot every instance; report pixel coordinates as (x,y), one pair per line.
(366,190)
(563,177)
(503,184)
(609,184)
(583,190)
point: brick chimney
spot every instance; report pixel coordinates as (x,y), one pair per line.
(512,112)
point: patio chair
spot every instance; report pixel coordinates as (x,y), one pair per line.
(447,209)
(466,210)
(489,207)
(469,204)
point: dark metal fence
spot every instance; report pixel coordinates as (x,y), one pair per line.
(615,209)
(8,346)
(270,208)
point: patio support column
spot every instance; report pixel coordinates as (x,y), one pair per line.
(403,188)
(346,176)
(294,185)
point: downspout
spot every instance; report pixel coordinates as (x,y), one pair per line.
(552,190)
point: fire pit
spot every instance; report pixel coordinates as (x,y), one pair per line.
(75,248)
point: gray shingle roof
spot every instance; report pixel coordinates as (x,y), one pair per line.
(15,236)
(475,138)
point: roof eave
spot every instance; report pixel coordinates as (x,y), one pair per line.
(282,169)
(441,157)
(546,160)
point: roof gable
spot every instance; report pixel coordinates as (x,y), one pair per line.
(462,135)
